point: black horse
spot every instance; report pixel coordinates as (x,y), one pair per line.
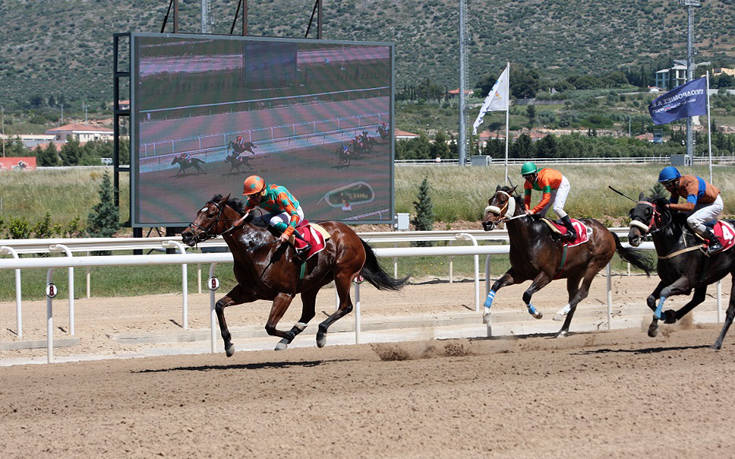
(185,164)
(537,254)
(682,263)
(236,162)
(344,155)
(242,147)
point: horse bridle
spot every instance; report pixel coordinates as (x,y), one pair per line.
(508,208)
(206,231)
(652,227)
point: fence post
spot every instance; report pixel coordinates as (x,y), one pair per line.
(213,284)
(18,310)
(65,249)
(51,292)
(184,283)
(477,268)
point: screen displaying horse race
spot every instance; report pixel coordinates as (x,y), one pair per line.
(312,115)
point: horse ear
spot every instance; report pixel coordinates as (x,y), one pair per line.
(225,198)
(497,188)
(640,196)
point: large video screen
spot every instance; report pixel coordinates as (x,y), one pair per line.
(208,111)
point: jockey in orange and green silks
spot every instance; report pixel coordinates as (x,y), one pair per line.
(554,188)
(285,213)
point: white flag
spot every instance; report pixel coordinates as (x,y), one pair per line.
(496,100)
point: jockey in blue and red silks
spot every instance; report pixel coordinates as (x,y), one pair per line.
(284,212)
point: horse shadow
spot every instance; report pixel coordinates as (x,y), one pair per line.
(645,350)
(245,366)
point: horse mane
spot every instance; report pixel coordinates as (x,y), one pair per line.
(235,203)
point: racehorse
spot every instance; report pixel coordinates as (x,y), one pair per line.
(240,148)
(185,164)
(236,162)
(266,269)
(682,264)
(538,254)
(344,155)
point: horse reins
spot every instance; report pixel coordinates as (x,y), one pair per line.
(647,229)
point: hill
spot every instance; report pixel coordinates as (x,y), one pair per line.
(63,49)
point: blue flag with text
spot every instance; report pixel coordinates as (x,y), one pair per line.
(689,99)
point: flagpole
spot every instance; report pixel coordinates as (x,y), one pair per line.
(709,132)
(507,122)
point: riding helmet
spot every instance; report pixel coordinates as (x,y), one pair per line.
(668,174)
(253,185)
(528,168)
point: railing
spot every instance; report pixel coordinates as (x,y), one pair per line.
(698,160)
(184,259)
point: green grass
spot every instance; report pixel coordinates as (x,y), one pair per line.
(457,194)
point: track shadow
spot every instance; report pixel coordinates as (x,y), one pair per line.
(245,366)
(645,350)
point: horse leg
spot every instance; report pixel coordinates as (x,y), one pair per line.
(678,287)
(278,308)
(342,282)
(308,300)
(580,293)
(235,296)
(505,279)
(728,318)
(572,287)
(541,280)
(671,316)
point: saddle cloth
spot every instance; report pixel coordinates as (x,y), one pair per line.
(583,232)
(725,233)
(314,234)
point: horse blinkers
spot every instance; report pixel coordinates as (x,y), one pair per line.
(493,213)
(639,229)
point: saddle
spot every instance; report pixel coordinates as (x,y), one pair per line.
(583,231)
(314,235)
(724,231)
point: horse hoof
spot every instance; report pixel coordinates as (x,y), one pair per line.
(538,315)
(230,350)
(282,345)
(669,316)
(562,334)
(653,330)
(486,318)
(321,340)
(717,346)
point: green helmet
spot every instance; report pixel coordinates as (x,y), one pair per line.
(528,168)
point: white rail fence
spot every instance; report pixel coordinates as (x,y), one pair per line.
(70,262)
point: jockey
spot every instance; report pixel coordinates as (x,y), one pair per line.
(555,188)
(701,197)
(284,211)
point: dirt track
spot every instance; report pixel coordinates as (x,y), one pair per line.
(603,394)
(616,393)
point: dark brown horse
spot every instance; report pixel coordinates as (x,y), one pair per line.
(186,163)
(537,254)
(268,270)
(682,264)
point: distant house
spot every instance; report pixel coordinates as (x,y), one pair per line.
(404,135)
(676,75)
(30,140)
(455,92)
(81,132)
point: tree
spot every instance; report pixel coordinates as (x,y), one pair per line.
(424,219)
(531,114)
(103,220)
(71,152)
(47,156)
(440,148)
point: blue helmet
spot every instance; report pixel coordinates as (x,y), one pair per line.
(668,174)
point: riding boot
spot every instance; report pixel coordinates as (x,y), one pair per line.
(571,232)
(713,243)
(304,251)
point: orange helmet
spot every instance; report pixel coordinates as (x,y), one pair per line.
(253,185)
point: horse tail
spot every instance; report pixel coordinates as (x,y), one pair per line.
(373,273)
(638,259)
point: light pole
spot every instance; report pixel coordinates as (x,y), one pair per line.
(690,4)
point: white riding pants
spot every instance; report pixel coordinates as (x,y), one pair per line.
(558,199)
(705,213)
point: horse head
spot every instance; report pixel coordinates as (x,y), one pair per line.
(648,216)
(213,219)
(503,204)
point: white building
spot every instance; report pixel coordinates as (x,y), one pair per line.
(81,132)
